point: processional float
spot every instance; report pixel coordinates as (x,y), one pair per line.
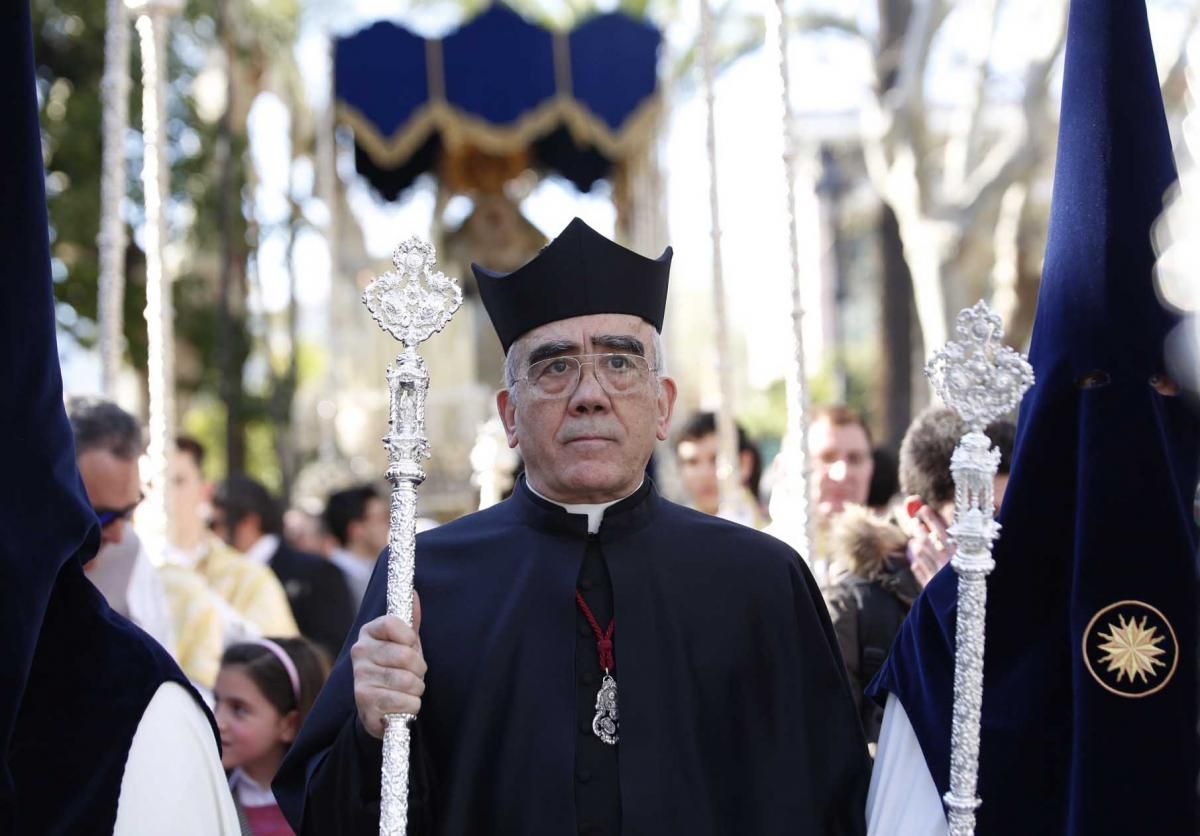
(476,108)
(981,379)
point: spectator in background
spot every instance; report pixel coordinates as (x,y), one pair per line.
(108,443)
(928,485)
(247,517)
(879,567)
(256,603)
(839,455)
(871,593)
(696,451)
(357,518)
(264,692)
(839,446)
(306,532)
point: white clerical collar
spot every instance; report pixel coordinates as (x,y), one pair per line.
(264,549)
(593,510)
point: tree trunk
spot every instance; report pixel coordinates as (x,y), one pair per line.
(896,334)
(230,327)
(896,314)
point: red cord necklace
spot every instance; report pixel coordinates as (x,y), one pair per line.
(604,724)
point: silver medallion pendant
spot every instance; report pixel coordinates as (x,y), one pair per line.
(604,724)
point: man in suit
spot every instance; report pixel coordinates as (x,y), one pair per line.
(248,518)
(357,518)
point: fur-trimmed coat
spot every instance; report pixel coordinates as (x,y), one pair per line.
(870,592)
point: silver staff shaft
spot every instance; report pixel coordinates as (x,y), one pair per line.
(411,302)
(408,381)
(981,379)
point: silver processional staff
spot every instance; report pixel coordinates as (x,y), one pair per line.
(412,302)
(981,379)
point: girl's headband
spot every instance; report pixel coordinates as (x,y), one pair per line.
(285,660)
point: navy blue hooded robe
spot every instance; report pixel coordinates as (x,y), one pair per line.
(75,677)
(1097,524)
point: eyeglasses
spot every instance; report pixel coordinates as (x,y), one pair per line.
(108,516)
(618,374)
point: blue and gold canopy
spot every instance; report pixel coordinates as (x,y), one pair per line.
(498,89)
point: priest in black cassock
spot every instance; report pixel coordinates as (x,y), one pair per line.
(589,657)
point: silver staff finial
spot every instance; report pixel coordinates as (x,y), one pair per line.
(981,379)
(412,303)
(978,376)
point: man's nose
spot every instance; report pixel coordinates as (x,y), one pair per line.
(589,395)
(837,471)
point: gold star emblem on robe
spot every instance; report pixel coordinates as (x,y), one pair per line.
(1131,649)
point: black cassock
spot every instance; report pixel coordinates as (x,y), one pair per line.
(735,714)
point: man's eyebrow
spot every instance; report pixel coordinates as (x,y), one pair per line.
(620,342)
(551,348)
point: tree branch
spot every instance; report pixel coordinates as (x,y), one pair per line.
(1012,160)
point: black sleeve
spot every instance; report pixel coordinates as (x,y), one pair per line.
(330,609)
(342,797)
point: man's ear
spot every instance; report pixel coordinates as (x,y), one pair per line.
(667,392)
(912,504)
(507,407)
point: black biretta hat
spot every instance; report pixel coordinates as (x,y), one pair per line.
(578,273)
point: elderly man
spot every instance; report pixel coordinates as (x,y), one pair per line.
(582,592)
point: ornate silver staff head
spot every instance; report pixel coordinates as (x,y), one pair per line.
(981,379)
(978,376)
(412,302)
(415,300)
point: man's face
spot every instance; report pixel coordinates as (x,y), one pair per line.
(369,534)
(698,472)
(189,492)
(842,465)
(112,484)
(241,536)
(587,446)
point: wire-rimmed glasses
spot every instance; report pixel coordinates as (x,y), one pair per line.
(557,377)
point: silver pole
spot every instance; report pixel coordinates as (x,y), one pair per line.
(798,468)
(412,303)
(981,379)
(114,87)
(152,32)
(727,451)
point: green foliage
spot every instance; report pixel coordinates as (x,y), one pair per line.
(764,415)
(205,165)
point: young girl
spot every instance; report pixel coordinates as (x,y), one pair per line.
(263,693)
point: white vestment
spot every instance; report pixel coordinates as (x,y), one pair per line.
(173,781)
(902,800)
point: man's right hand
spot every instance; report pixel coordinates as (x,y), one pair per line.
(389,669)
